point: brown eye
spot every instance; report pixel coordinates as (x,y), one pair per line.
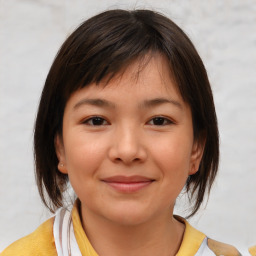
(95,121)
(159,121)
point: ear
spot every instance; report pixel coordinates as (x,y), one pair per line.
(60,152)
(196,155)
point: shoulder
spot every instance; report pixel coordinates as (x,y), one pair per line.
(40,242)
(193,242)
(252,250)
(222,249)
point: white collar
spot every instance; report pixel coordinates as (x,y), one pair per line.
(64,236)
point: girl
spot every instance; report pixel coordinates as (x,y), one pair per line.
(127,117)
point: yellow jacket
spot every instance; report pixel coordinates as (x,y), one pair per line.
(252,250)
(41,241)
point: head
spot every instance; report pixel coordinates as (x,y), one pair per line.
(99,50)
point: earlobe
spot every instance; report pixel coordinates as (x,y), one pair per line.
(62,168)
(196,155)
(193,169)
(60,152)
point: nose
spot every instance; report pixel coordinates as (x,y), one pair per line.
(127,146)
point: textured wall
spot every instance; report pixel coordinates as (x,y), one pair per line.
(224,33)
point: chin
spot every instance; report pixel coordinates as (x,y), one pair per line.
(129,216)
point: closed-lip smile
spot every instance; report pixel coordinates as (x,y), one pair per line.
(128,184)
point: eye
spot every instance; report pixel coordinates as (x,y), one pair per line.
(95,121)
(160,121)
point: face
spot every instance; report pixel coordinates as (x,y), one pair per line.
(128,147)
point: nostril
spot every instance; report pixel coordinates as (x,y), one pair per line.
(128,161)
(127,153)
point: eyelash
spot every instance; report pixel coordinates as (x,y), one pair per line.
(95,118)
(163,121)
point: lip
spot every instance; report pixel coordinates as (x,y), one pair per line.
(128,184)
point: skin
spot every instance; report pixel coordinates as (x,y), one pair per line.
(137,127)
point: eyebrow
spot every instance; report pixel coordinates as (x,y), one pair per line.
(147,103)
(160,101)
(95,102)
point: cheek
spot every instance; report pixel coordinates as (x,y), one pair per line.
(83,159)
(174,174)
(173,157)
(83,155)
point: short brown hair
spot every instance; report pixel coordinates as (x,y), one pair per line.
(99,48)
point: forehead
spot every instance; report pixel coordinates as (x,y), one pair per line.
(143,79)
(151,69)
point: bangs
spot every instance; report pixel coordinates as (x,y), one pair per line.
(111,49)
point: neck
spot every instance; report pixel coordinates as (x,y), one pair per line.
(159,236)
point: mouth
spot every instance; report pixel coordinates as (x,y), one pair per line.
(128,184)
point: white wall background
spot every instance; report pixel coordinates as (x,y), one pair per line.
(224,32)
